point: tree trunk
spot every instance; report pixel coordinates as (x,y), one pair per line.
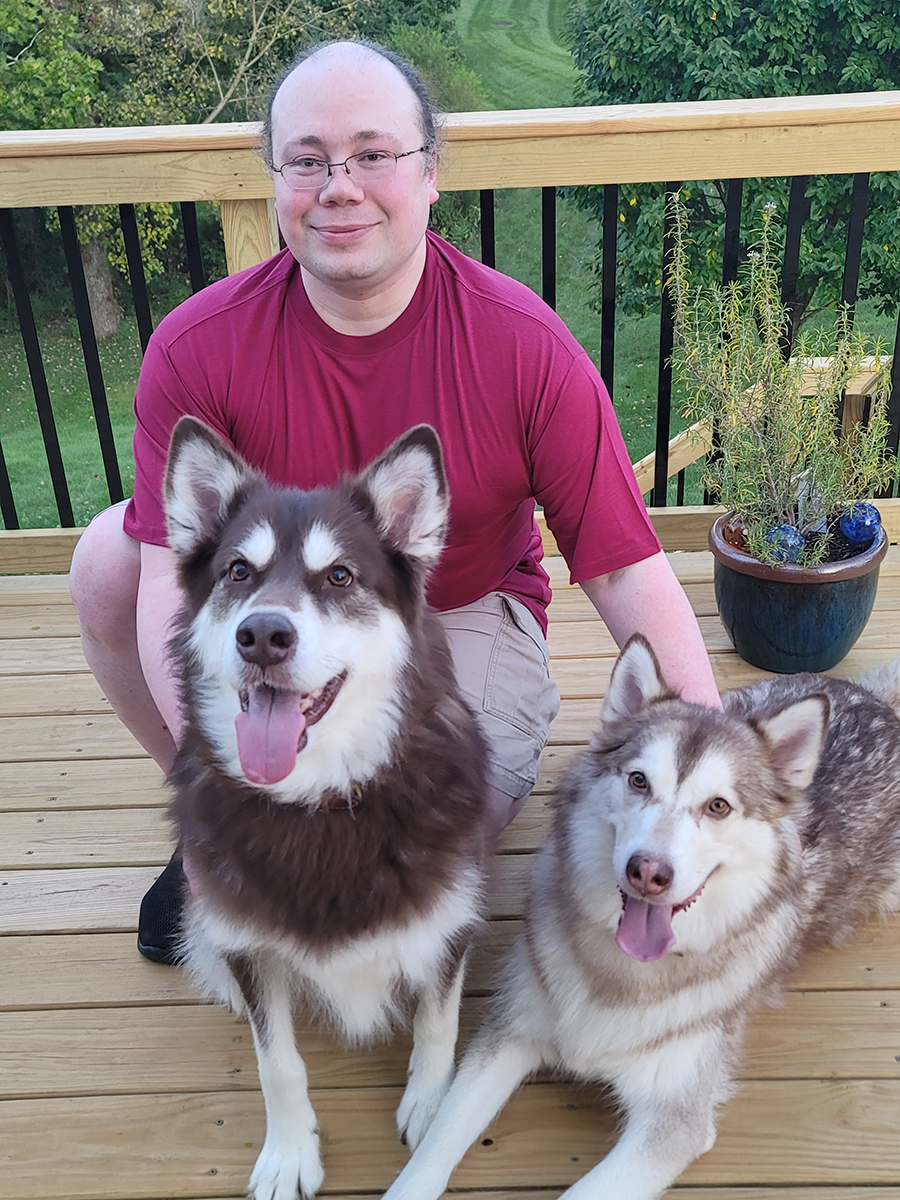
(101,288)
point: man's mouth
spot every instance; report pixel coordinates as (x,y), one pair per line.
(645,929)
(272,727)
(338,233)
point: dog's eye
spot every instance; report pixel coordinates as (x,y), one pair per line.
(718,807)
(239,571)
(638,781)
(340,576)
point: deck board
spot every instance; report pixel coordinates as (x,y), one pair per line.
(803,1131)
(196,1048)
(119,1083)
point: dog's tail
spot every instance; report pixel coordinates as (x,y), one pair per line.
(884,682)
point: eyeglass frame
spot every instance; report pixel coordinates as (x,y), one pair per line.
(332,167)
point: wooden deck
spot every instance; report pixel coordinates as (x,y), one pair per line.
(117,1084)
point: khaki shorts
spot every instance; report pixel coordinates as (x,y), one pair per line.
(502,665)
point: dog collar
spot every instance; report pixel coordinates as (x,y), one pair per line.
(340,802)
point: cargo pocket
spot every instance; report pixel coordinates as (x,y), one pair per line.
(518,688)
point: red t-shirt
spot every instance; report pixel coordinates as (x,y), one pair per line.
(521,411)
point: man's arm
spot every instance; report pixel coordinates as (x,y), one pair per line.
(647,598)
(159,599)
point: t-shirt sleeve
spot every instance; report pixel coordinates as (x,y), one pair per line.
(583,478)
(165,392)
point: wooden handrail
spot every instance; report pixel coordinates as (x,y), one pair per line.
(541,147)
(767,113)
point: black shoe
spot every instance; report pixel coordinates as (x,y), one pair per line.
(159,923)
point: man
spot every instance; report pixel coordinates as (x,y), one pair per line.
(312,363)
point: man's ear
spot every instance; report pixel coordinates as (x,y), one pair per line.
(204,477)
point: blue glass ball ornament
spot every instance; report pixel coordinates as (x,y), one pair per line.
(787,542)
(860,523)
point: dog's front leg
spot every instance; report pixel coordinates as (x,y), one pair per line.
(490,1072)
(670,1100)
(290,1163)
(435,1030)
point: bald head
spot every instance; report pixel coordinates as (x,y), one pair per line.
(341,60)
(358,235)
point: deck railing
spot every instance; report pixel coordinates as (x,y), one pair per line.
(609,146)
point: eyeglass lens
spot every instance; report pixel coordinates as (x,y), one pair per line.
(313,172)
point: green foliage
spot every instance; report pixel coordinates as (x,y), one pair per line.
(643,51)
(46,80)
(780,459)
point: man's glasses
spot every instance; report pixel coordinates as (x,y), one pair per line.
(369,166)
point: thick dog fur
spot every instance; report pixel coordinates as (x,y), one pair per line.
(695,858)
(330,787)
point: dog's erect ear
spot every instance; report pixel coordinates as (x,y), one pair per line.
(636,681)
(203,477)
(408,490)
(796,736)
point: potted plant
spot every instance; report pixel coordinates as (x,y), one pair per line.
(798,550)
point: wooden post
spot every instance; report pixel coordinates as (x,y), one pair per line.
(250,230)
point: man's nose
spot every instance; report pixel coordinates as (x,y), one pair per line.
(340,183)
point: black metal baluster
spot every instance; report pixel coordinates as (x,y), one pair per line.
(798,211)
(139,294)
(731,245)
(855,231)
(608,284)
(666,340)
(731,257)
(488,243)
(852,257)
(192,246)
(37,373)
(548,245)
(7,503)
(893,411)
(90,352)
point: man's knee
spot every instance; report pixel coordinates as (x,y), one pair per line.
(106,569)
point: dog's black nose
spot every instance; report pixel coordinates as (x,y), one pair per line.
(648,875)
(266,638)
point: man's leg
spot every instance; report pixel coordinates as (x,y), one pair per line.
(104,580)
(502,667)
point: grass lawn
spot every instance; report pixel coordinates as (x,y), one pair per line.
(73,413)
(514,47)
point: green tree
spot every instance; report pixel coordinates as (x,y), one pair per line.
(46,80)
(643,51)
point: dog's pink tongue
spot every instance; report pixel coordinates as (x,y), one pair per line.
(268,734)
(645,930)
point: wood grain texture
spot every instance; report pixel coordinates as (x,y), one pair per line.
(131,1072)
(811,1132)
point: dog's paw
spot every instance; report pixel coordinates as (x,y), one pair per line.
(417,1110)
(285,1176)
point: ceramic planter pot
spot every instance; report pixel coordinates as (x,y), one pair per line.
(789,618)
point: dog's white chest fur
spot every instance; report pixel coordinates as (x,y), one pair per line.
(358,983)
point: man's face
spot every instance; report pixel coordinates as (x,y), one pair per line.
(354,238)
